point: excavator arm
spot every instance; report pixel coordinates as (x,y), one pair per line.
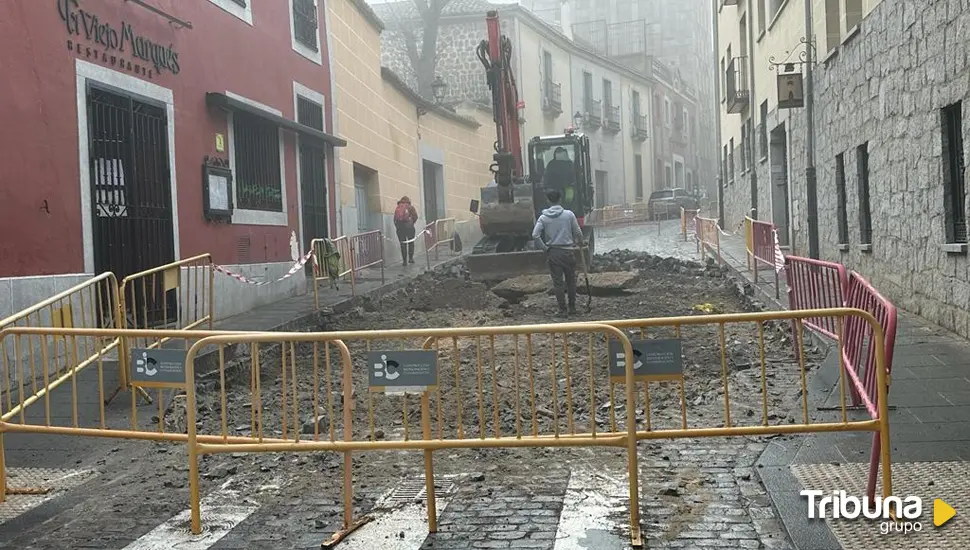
(495,53)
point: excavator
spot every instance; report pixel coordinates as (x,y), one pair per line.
(508,210)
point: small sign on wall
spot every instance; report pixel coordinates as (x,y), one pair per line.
(220,143)
(791,93)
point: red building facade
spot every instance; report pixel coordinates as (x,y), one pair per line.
(140,132)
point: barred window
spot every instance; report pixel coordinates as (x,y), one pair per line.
(256,145)
(305,23)
(309,113)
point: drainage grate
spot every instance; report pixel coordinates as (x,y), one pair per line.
(412,489)
(927,480)
(57,481)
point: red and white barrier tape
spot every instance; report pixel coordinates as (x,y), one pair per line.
(293,270)
(779,258)
(409,241)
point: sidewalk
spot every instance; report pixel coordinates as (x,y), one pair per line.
(930,427)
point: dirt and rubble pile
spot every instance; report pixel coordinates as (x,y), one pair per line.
(511,385)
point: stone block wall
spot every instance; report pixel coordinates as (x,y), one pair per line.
(885,86)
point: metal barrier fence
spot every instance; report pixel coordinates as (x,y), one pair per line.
(619,215)
(748,240)
(688,219)
(437,234)
(763,249)
(489,412)
(708,238)
(179,295)
(332,260)
(492,380)
(367,251)
(860,341)
(71,399)
(33,367)
(861,362)
(816,284)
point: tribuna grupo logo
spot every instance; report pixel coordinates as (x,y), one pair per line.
(898,514)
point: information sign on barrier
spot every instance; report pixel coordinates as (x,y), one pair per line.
(158,368)
(400,371)
(658,359)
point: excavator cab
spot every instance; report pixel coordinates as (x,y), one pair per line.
(508,213)
(562,162)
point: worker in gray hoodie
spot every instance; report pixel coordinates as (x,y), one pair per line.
(558,230)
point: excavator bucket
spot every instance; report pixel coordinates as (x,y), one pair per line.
(498,266)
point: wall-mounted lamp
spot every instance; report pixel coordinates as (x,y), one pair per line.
(577,119)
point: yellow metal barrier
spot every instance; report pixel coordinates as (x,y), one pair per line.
(708,238)
(91,304)
(686,218)
(58,391)
(483,373)
(733,420)
(345,265)
(465,388)
(178,295)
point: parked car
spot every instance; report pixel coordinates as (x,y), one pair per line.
(667,203)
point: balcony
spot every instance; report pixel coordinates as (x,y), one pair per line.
(736,85)
(552,99)
(593,117)
(612,115)
(641,127)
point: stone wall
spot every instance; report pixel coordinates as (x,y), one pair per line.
(885,86)
(458,63)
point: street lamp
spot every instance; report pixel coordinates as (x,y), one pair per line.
(439,87)
(577,119)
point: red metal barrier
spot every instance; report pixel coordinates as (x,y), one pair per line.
(368,251)
(814,284)
(763,237)
(859,354)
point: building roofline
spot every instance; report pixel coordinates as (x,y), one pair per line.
(550,32)
(394,80)
(369,14)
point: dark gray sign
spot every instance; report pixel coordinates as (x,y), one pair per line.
(402,370)
(158,367)
(651,359)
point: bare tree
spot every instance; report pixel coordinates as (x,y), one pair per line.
(421,39)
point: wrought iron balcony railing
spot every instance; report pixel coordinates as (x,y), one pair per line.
(612,116)
(736,84)
(641,127)
(552,98)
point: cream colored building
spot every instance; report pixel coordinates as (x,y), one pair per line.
(753,38)
(397,143)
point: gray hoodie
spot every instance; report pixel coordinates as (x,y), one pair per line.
(557,227)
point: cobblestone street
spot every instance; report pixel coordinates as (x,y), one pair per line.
(694,493)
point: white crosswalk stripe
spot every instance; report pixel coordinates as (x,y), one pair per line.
(402,527)
(222,511)
(592,500)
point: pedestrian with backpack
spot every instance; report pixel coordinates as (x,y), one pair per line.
(405,216)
